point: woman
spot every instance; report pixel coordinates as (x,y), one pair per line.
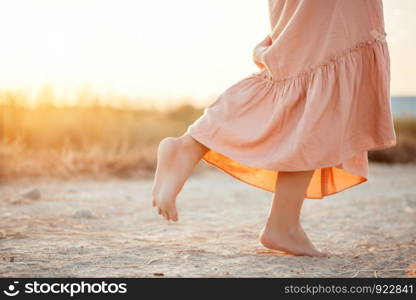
(303,124)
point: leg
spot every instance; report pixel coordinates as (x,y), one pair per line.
(283,230)
(176,158)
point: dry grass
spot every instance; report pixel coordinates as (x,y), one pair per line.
(102,141)
(405,150)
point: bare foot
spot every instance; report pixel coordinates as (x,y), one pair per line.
(176,158)
(166,185)
(294,241)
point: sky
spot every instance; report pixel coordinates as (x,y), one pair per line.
(161,50)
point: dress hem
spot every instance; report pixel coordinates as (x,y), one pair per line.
(361,178)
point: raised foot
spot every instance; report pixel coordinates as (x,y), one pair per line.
(166,185)
(294,242)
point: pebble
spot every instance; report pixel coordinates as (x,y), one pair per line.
(32,194)
(72,190)
(83,214)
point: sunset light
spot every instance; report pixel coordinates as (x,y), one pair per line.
(154,50)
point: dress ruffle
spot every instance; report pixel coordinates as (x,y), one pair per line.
(325,119)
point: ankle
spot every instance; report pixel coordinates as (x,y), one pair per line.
(292,227)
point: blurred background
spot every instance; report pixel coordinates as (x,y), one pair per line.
(89,88)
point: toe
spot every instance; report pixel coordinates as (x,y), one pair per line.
(174,214)
(175,217)
(321,253)
(165,215)
(170,214)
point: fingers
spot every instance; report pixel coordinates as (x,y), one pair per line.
(267,41)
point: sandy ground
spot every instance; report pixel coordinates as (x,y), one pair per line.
(90,228)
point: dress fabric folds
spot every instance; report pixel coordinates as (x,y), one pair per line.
(319,101)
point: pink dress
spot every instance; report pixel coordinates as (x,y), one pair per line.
(320,100)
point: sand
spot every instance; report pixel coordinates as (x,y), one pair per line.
(87,228)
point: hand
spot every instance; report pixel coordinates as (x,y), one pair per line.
(259,51)
(266,42)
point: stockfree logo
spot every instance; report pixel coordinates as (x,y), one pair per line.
(11,289)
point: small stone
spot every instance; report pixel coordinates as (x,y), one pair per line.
(83,214)
(32,194)
(158,274)
(20,201)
